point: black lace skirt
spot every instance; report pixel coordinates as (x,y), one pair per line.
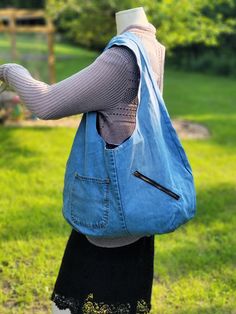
(98,280)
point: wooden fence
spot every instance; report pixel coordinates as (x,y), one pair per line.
(8,23)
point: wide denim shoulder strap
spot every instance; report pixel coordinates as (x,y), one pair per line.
(132,41)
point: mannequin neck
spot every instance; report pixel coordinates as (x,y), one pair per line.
(131,16)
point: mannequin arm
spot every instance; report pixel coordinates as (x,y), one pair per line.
(91,89)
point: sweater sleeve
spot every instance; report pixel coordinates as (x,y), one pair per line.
(99,86)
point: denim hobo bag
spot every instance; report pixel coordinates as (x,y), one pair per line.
(142,187)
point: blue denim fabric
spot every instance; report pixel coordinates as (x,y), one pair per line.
(102,197)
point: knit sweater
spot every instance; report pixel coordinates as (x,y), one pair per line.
(108,85)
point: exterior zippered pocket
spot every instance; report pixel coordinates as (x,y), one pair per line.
(157,185)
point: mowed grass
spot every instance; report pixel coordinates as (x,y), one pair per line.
(194,270)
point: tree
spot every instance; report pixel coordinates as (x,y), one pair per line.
(178,22)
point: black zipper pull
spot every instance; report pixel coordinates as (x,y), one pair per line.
(157,185)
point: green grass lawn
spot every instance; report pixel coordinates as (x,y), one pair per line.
(195,266)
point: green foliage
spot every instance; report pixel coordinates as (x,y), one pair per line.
(182,22)
(33,4)
(89,23)
(220,61)
(185,22)
(199,57)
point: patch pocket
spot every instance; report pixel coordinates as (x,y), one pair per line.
(89,201)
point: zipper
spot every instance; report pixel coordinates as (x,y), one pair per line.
(157,185)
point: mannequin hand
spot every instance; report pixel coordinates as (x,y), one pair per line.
(3,68)
(3,86)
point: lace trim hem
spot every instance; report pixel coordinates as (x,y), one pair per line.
(89,306)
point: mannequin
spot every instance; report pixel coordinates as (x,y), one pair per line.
(123,19)
(128,17)
(115,276)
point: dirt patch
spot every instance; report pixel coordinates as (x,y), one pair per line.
(70,122)
(185,129)
(190,130)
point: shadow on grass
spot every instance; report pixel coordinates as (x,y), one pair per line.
(213,225)
(224,309)
(34,222)
(213,220)
(15,153)
(210,243)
